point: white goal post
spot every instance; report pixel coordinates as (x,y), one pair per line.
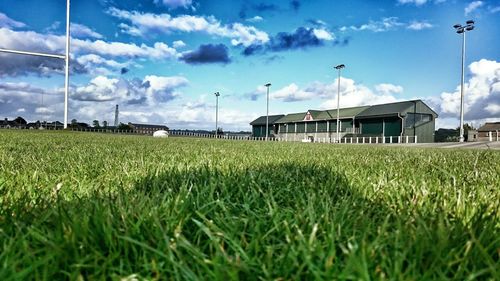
(55,56)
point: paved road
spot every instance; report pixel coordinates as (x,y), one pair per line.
(466,145)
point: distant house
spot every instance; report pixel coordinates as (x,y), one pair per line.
(489,132)
(53,125)
(56,125)
(19,123)
(146,129)
(33,125)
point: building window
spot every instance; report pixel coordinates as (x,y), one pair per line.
(415,119)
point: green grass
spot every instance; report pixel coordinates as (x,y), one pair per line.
(93,206)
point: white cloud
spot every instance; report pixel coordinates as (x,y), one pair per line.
(419,2)
(388,24)
(385,24)
(482,94)
(163,89)
(44,110)
(255,19)
(20,97)
(419,25)
(5,21)
(82,31)
(55,44)
(145,23)
(323,34)
(138,100)
(472,7)
(494,9)
(292,93)
(416,2)
(149,91)
(97,65)
(179,44)
(175,3)
(352,94)
(388,89)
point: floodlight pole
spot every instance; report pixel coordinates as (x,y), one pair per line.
(338,67)
(66,71)
(462,90)
(217,94)
(267,112)
(462,30)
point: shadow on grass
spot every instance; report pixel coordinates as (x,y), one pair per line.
(287,221)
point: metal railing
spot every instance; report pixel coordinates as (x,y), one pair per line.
(294,138)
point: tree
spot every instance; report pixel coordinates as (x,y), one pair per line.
(74,123)
(124,127)
(105,124)
(95,124)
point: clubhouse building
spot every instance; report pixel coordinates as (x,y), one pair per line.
(383,122)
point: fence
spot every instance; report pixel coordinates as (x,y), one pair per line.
(362,140)
(176,133)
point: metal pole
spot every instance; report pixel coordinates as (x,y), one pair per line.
(31,53)
(462,90)
(66,72)
(216,115)
(267,114)
(338,106)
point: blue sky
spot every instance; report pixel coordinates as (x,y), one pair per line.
(162,60)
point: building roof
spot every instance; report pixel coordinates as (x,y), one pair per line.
(262,120)
(367,111)
(489,127)
(292,117)
(147,126)
(347,112)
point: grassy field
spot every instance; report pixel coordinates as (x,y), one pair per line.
(93,206)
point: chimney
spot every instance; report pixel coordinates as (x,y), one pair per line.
(116,116)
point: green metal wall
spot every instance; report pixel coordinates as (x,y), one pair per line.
(301,127)
(322,126)
(259,131)
(311,127)
(424,132)
(392,127)
(376,126)
(333,125)
(372,127)
(345,124)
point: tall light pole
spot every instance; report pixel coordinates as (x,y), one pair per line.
(267,112)
(469,26)
(338,67)
(217,94)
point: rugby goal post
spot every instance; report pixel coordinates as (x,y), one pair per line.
(55,56)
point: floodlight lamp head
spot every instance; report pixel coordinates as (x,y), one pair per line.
(340,66)
(469,28)
(460,31)
(456,26)
(470,22)
(268,85)
(217,94)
